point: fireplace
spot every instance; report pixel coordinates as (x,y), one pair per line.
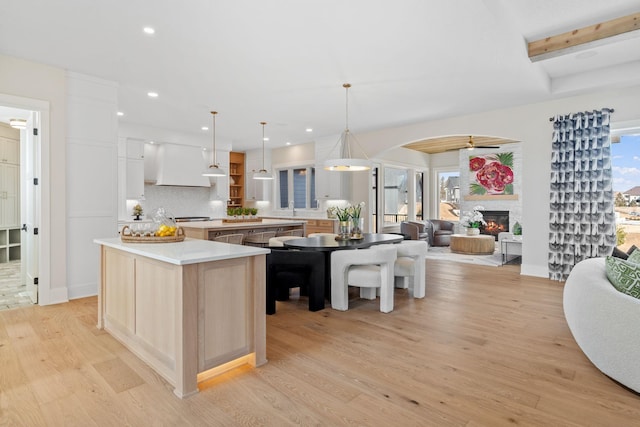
(497,222)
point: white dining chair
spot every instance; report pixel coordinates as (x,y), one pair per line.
(369,269)
(409,268)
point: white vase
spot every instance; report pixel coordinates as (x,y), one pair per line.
(473,231)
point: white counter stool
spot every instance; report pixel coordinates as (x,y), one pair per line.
(321,234)
(409,268)
(236,239)
(298,232)
(260,239)
(276,242)
(367,269)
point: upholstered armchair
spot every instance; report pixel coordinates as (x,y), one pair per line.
(415,230)
(440,232)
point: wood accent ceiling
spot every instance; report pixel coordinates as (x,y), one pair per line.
(562,43)
(450,143)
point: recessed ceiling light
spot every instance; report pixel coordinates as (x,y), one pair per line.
(148,30)
(204,128)
(288,143)
(266,138)
(120,113)
(151,142)
(152,94)
(309,130)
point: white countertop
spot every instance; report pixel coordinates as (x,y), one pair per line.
(191,251)
(220,224)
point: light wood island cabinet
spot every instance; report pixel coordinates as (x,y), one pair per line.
(190,310)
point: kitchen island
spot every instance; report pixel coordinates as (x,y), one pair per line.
(209,230)
(190,309)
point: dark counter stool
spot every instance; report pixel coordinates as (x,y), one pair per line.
(291,269)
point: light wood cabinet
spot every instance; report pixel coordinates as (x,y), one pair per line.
(236,179)
(321,226)
(185,320)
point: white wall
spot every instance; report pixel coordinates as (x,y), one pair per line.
(529,124)
(92,177)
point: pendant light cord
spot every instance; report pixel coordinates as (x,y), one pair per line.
(263,123)
(215,163)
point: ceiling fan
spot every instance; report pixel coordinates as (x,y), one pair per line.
(470,145)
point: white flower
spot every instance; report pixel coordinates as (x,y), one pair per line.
(474,218)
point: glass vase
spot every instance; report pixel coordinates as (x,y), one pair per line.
(357,225)
(343,230)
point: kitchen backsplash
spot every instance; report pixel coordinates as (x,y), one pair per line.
(181,201)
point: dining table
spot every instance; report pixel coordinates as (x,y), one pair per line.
(327,244)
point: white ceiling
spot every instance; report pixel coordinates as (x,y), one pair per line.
(284,61)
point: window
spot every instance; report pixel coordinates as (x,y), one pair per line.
(449,195)
(297,188)
(396,195)
(625,165)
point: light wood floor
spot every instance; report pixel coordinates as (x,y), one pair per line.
(486,347)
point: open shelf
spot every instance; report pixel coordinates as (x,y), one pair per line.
(10,244)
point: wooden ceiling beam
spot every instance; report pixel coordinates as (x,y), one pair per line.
(585,37)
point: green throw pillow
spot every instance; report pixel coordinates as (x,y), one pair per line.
(623,275)
(634,257)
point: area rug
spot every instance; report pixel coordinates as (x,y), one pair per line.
(443,253)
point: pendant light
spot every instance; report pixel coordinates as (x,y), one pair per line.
(214,169)
(346,163)
(262,173)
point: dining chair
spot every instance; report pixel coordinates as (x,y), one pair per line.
(288,269)
(409,268)
(298,232)
(276,242)
(368,269)
(321,234)
(235,239)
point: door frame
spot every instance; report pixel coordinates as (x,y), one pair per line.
(44,175)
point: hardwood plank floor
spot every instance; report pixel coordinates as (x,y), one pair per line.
(485,347)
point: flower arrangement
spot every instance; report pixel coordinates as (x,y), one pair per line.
(343,214)
(473,219)
(355,210)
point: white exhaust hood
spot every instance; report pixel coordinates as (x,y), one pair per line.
(181,165)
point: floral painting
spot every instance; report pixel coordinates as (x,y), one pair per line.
(491,174)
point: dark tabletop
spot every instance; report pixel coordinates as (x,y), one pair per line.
(329,243)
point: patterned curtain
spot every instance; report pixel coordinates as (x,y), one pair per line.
(582,218)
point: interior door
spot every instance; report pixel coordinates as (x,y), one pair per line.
(31,210)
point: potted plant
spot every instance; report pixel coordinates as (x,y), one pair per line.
(473,221)
(254,212)
(343,216)
(357,223)
(137,212)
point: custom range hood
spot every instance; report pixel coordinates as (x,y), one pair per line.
(181,165)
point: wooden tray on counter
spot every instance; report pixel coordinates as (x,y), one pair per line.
(235,220)
(178,237)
